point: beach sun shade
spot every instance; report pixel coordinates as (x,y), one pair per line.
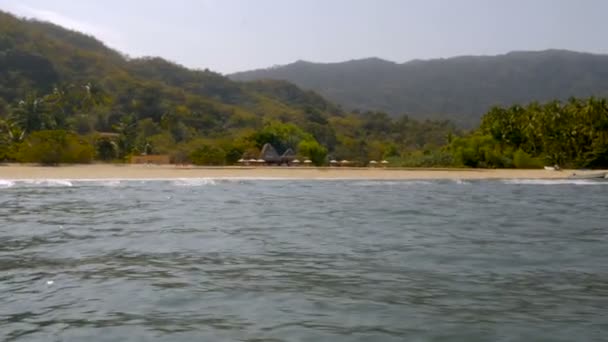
(385,162)
(261,161)
(253,160)
(241,160)
(373,162)
(307,161)
(333,161)
(344,161)
(295,161)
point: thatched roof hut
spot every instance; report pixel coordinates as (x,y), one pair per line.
(269,154)
(288,156)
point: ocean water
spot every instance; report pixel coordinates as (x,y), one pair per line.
(296,260)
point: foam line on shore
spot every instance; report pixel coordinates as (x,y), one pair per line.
(554,182)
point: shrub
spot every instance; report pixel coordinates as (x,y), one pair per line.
(313,150)
(106,149)
(434,158)
(523,160)
(208,155)
(54,147)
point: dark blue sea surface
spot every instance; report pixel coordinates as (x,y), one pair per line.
(280,260)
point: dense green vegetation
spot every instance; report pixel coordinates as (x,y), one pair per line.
(460,89)
(574,133)
(69,125)
(67,98)
(571,134)
(58,85)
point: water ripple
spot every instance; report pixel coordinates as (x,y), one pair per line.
(253,260)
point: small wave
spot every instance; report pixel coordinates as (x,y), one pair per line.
(194,182)
(554,182)
(391,182)
(108,182)
(47,182)
(4,183)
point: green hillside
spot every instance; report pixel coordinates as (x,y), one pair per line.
(63,90)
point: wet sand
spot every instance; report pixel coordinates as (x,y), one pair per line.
(117,171)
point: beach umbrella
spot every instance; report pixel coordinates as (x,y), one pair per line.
(241,160)
(295,161)
(344,161)
(333,161)
(261,161)
(307,161)
(384,162)
(253,160)
(373,162)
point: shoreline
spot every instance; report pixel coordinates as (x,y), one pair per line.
(138,171)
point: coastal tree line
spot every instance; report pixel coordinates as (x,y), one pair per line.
(569,134)
(82,123)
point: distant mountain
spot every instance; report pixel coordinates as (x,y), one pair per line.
(459,88)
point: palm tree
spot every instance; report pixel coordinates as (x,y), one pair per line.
(126,128)
(93,96)
(32,114)
(60,104)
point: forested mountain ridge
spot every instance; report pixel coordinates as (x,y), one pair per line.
(39,55)
(58,86)
(460,89)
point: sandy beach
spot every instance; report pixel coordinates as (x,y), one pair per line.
(113,171)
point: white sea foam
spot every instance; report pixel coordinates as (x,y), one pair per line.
(555,181)
(197,182)
(390,182)
(193,182)
(108,182)
(46,182)
(118,182)
(5,183)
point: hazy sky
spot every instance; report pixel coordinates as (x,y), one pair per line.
(235,35)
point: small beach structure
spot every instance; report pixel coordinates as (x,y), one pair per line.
(269,155)
(373,163)
(295,162)
(344,162)
(333,162)
(307,162)
(288,157)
